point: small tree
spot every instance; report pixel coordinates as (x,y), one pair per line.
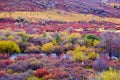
(110,41)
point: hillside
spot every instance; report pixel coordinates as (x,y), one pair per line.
(60,16)
(95,7)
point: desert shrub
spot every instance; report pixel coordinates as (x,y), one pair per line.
(36,39)
(4,63)
(68,47)
(33,49)
(7,32)
(4,56)
(88,64)
(37,56)
(84,48)
(50,76)
(114,64)
(9,47)
(110,44)
(2,73)
(93,55)
(9,71)
(19,58)
(47,48)
(57,74)
(100,64)
(57,39)
(24,36)
(109,75)
(21,76)
(89,39)
(34,64)
(46,38)
(58,50)
(23,66)
(34,78)
(23,40)
(78,55)
(96,43)
(23,46)
(74,37)
(64,35)
(11,37)
(3,37)
(41,72)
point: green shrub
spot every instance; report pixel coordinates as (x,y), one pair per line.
(57,39)
(89,39)
(9,47)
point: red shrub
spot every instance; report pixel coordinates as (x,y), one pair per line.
(41,72)
(8,62)
(4,56)
(4,63)
(57,74)
(2,73)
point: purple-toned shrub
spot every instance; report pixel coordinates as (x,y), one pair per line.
(38,56)
(88,64)
(21,76)
(101,64)
(21,58)
(22,66)
(114,64)
(4,63)
(34,64)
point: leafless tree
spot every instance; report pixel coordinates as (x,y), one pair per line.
(111,42)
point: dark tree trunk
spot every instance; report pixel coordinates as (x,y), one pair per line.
(110,54)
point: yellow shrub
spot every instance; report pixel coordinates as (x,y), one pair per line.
(93,55)
(34,78)
(9,47)
(77,49)
(74,35)
(48,47)
(96,42)
(110,75)
(78,56)
(83,48)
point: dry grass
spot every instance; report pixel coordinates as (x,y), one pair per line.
(54,15)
